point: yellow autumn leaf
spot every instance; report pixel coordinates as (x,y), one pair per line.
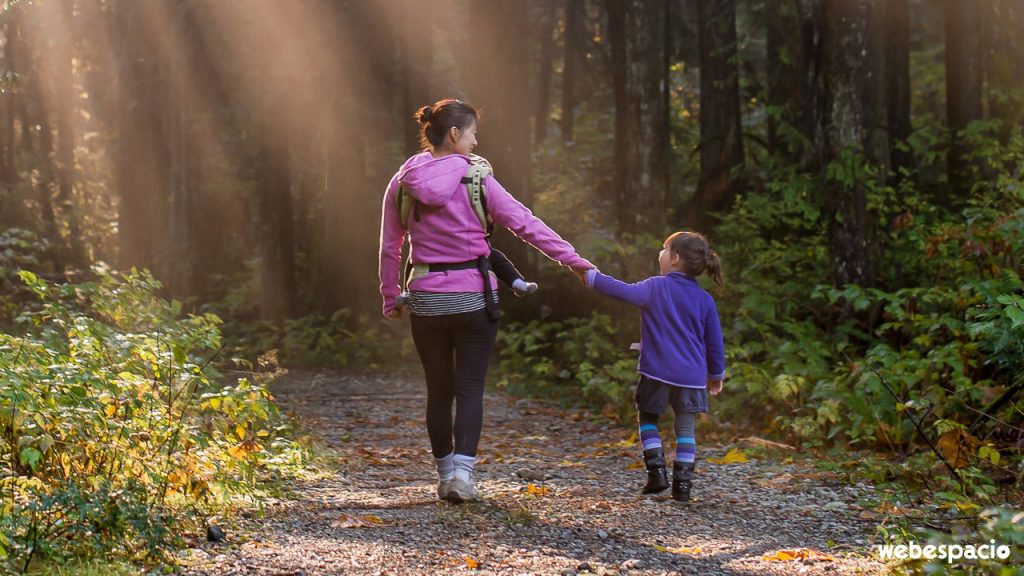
(470,563)
(734,456)
(635,465)
(237,452)
(956,446)
(678,550)
(537,490)
(111,410)
(240,431)
(961,506)
(798,554)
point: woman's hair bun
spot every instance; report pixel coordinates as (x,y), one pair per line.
(425,114)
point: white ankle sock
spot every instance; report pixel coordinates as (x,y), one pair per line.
(464,467)
(445,467)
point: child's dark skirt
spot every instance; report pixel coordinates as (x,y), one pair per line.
(655,397)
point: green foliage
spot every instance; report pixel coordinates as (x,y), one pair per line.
(338,340)
(316,340)
(936,339)
(19,250)
(582,358)
(995,527)
(113,426)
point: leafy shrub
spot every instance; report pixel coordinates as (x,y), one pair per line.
(19,250)
(582,358)
(113,425)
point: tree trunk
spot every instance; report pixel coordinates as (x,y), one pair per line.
(1005,63)
(812,18)
(721,143)
(963,91)
(416,47)
(178,265)
(64,99)
(347,234)
(10,204)
(844,41)
(617,42)
(277,245)
(646,137)
(572,42)
(545,30)
(785,65)
(140,171)
(876,119)
(897,80)
(45,183)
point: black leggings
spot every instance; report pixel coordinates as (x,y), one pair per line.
(454,350)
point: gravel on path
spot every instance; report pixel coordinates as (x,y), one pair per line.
(561,496)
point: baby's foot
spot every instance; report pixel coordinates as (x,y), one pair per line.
(521,287)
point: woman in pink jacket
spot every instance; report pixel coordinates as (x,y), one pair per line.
(451,302)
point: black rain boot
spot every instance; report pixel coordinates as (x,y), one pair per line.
(682,480)
(657,476)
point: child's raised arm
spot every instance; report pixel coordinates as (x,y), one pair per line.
(638,294)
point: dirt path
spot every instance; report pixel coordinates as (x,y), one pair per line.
(378,514)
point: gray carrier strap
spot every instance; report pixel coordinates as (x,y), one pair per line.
(478,171)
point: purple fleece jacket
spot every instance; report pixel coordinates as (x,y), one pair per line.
(448,229)
(680,334)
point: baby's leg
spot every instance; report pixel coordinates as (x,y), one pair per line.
(503,268)
(506,271)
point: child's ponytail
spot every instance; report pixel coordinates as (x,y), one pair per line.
(713,266)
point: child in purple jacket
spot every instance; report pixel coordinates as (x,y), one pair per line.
(682,353)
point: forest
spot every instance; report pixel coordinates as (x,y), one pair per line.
(190,204)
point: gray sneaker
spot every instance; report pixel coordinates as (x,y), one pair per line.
(442,489)
(460,490)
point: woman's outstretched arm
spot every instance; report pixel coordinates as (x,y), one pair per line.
(510,213)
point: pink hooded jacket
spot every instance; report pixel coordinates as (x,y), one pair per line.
(448,229)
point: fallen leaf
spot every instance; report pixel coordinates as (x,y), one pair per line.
(798,554)
(634,465)
(349,521)
(470,563)
(734,456)
(680,550)
(537,490)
